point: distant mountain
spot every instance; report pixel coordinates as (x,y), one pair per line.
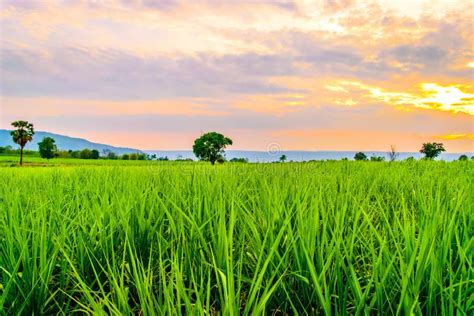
(64,143)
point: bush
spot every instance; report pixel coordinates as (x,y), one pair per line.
(241,160)
(377,158)
(360,156)
(85,154)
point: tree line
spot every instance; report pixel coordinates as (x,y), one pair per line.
(208,147)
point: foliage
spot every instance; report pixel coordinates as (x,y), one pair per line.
(21,135)
(111,155)
(463,158)
(125,157)
(432,150)
(136,156)
(85,154)
(377,158)
(95,154)
(6,150)
(210,147)
(241,160)
(360,156)
(47,148)
(252,239)
(282,158)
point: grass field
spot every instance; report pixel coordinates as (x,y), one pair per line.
(187,238)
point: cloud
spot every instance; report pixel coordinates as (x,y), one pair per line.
(107,74)
(251,69)
(457,136)
(432,96)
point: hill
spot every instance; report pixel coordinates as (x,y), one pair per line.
(64,143)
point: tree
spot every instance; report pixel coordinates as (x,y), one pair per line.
(463,158)
(85,154)
(47,148)
(95,154)
(377,158)
(210,147)
(75,153)
(111,155)
(432,150)
(282,158)
(22,134)
(241,160)
(360,156)
(393,154)
(125,157)
(62,154)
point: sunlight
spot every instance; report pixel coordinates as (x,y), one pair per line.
(452,98)
(457,136)
(447,98)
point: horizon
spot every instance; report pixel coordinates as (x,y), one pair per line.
(339,75)
(230,149)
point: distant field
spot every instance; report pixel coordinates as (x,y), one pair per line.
(36,161)
(134,237)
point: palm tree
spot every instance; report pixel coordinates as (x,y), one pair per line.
(22,134)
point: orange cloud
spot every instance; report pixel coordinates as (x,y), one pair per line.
(457,136)
(452,98)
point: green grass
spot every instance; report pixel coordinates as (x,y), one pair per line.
(36,161)
(297,238)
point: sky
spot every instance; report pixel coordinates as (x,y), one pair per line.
(300,75)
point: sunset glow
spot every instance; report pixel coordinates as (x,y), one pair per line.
(154,75)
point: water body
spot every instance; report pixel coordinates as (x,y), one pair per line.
(263,156)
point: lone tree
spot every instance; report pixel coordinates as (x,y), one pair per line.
(360,156)
(393,154)
(282,158)
(210,147)
(47,148)
(22,134)
(432,150)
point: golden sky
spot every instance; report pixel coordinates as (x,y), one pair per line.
(308,75)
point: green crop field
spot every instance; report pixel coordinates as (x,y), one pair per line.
(146,238)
